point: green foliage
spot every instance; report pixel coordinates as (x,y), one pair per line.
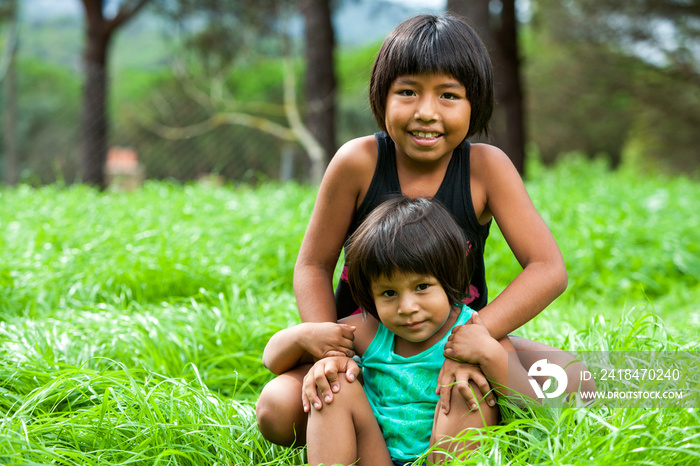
(259,81)
(132,324)
(48,100)
(354,68)
(601,77)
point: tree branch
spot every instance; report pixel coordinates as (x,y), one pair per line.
(313,148)
(221,119)
(126,11)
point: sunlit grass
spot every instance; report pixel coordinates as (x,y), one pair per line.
(132,324)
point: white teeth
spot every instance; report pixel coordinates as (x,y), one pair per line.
(421,134)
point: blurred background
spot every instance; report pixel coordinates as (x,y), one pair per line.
(250,90)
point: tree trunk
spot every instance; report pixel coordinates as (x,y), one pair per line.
(94,119)
(99,31)
(8,74)
(320,84)
(509,90)
(499,34)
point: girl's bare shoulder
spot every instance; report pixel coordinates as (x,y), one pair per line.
(488,161)
(494,180)
(357,154)
(350,171)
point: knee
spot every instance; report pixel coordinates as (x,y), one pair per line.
(275,413)
(264,411)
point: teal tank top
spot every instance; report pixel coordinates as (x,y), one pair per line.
(401,390)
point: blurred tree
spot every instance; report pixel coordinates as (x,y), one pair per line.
(214,29)
(497,25)
(99,33)
(222,32)
(665,33)
(232,36)
(320,82)
(607,76)
(9,11)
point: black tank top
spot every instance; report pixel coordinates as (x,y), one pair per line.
(454,193)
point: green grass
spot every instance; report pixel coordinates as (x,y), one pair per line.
(132,324)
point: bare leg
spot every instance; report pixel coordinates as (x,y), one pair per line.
(460,418)
(531,351)
(346,431)
(281,417)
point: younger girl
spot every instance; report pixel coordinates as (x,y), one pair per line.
(408,270)
(431,89)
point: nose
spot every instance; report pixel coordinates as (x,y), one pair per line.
(408,305)
(426,109)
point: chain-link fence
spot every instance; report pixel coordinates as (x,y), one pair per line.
(155,116)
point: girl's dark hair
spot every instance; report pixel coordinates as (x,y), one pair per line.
(404,235)
(428,44)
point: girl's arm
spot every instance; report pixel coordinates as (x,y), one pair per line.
(499,190)
(303,343)
(343,187)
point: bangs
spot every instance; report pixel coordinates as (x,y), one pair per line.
(389,251)
(425,53)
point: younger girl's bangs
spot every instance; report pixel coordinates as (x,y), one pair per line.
(392,251)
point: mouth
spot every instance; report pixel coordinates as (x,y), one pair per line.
(425,134)
(414,325)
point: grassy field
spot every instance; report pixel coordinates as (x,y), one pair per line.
(132,324)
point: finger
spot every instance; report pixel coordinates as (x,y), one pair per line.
(448,345)
(327,381)
(485,387)
(352,371)
(347,346)
(322,386)
(332,377)
(348,331)
(466,391)
(451,354)
(476,319)
(439,379)
(304,398)
(310,393)
(445,397)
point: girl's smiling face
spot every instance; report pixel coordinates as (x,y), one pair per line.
(427,116)
(414,307)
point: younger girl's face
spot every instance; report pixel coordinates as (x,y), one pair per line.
(427,115)
(413,306)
